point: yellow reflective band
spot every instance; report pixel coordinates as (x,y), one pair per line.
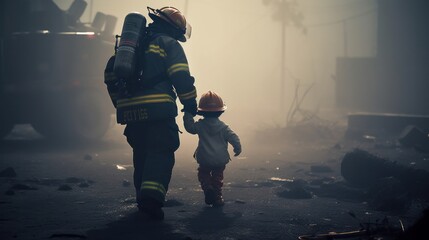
(161,100)
(151,96)
(161,95)
(185,96)
(154,186)
(157,50)
(154,98)
(178,67)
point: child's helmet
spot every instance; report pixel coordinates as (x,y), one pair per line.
(211,102)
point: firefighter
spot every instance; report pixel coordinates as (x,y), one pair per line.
(212,151)
(149,109)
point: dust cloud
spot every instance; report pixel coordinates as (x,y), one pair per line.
(258,54)
(236,50)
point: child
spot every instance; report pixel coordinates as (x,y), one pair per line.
(212,151)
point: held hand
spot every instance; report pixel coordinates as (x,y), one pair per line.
(237,152)
(190,108)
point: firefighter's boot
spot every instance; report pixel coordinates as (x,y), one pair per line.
(151,209)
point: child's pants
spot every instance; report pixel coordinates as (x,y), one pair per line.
(211,178)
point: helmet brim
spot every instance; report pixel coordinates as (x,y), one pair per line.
(218,109)
(182,38)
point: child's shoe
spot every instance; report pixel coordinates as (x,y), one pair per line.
(210,196)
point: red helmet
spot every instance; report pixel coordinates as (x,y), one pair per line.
(211,102)
(174,17)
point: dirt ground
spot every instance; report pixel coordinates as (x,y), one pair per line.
(84,191)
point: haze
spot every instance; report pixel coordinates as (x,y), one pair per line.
(236,46)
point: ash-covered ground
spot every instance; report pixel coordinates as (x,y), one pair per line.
(286,183)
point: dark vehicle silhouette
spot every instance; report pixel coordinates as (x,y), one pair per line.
(52,69)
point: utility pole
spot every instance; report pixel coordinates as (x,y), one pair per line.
(286,12)
(91,5)
(345,38)
(283,60)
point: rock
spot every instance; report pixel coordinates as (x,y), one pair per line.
(361,169)
(8,173)
(126,183)
(65,187)
(412,136)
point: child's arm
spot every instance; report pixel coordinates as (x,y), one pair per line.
(234,140)
(190,125)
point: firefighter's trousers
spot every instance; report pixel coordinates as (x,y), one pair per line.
(154,144)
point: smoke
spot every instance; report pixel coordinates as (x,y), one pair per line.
(236,50)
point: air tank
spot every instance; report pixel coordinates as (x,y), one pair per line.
(132,31)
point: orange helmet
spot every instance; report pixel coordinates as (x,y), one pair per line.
(174,17)
(211,102)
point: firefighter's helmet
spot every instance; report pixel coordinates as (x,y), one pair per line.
(211,102)
(175,18)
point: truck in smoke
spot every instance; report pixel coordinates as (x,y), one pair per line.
(52,69)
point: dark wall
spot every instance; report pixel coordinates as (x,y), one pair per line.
(403,30)
(397,79)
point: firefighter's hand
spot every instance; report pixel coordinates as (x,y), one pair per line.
(237,152)
(190,108)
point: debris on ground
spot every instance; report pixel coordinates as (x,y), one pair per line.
(126,183)
(390,186)
(418,229)
(414,137)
